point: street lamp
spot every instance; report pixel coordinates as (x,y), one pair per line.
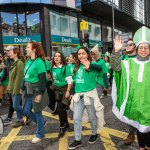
(113,19)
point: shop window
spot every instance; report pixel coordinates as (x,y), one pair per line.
(64,25)
(21,21)
(9,22)
(55,23)
(33,22)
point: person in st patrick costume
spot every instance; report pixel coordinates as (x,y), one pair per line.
(130,90)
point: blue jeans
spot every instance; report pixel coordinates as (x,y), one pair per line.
(17,106)
(77,116)
(37,117)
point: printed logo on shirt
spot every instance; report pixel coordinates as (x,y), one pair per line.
(80,78)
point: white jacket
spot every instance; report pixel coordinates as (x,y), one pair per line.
(99,108)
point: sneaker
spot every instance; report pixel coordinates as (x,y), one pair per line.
(54,113)
(7,121)
(62,131)
(93,139)
(18,124)
(75,144)
(130,139)
(28,121)
(36,140)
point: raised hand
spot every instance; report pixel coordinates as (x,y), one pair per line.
(86,63)
(118,43)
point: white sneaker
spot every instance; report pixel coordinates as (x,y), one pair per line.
(36,140)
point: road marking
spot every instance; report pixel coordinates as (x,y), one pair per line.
(10,138)
(5,142)
(107,142)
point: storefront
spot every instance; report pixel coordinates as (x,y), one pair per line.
(55,27)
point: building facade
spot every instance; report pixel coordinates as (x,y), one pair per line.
(117,17)
(56,23)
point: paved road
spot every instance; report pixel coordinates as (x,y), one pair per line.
(111,138)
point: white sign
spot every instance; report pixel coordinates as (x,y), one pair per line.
(22,40)
(66,40)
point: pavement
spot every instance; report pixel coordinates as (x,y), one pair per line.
(111,137)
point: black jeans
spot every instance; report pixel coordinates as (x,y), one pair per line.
(62,113)
(11,109)
(51,96)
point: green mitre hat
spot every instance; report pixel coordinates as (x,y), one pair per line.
(142,35)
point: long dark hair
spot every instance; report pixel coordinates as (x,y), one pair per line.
(74,55)
(63,61)
(77,62)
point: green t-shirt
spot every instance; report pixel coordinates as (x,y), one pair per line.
(84,80)
(59,75)
(4,82)
(37,67)
(100,79)
(72,66)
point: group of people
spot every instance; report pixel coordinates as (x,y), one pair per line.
(35,83)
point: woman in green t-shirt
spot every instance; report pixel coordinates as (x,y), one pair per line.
(85,95)
(3,80)
(62,81)
(34,88)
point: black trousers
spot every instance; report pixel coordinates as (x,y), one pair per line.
(62,113)
(143,139)
(51,96)
(62,104)
(11,109)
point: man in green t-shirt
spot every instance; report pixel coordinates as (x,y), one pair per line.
(102,79)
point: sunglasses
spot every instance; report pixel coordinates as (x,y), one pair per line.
(131,44)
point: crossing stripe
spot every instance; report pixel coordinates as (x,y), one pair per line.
(63,142)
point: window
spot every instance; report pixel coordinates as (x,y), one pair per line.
(4,1)
(73,26)
(64,25)
(33,21)
(21,21)
(9,22)
(55,23)
(18,1)
(33,1)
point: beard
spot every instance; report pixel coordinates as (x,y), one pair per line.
(131,51)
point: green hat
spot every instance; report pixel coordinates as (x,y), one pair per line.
(142,35)
(78,47)
(107,54)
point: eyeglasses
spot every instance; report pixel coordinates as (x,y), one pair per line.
(145,48)
(129,44)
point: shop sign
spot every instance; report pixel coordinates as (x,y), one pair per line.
(93,42)
(84,25)
(21,39)
(64,39)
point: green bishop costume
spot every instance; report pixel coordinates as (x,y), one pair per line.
(130,90)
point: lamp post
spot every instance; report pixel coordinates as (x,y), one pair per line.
(113,19)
